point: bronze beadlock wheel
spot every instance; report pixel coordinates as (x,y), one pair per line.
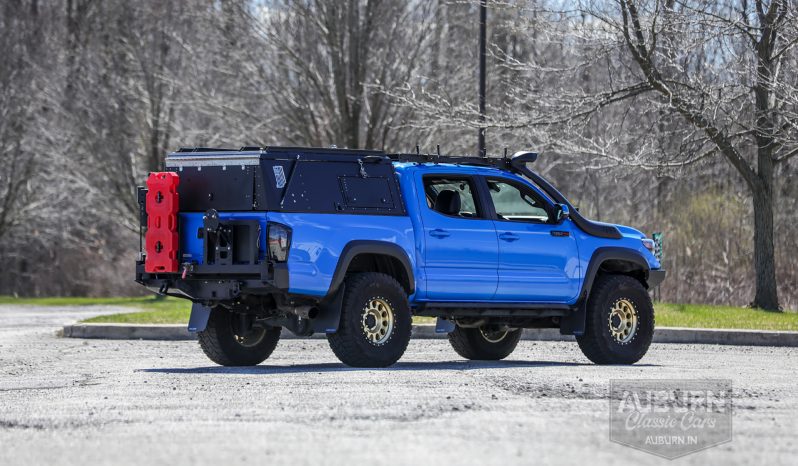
(488,342)
(221,343)
(251,338)
(493,335)
(622,321)
(378,320)
(375,321)
(619,324)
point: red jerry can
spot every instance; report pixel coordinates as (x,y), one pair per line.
(161,240)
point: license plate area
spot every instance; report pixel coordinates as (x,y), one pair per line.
(234,242)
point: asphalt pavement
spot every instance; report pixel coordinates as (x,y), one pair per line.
(84,402)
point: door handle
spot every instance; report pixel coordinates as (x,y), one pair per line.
(438,233)
(509,237)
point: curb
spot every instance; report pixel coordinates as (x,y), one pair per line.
(661,334)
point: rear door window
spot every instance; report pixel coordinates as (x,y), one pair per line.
(440,189)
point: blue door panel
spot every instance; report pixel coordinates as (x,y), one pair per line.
(461,259)
(536,266)
(460,255)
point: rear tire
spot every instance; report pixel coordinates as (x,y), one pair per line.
(484,343)
(620,321)
(220,343)
(375,322)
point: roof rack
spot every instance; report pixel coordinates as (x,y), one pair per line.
(508,163)
(308,150)
(219,149)
(519,158)
(453,159)
(207,149)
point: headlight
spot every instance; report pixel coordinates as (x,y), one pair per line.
(649,244)
(279,240)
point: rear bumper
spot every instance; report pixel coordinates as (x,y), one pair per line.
(655,277)
(217,283)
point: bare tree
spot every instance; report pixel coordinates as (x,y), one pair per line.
(680,118)
(623,88)
(746,106)
(18,45)
(327,60)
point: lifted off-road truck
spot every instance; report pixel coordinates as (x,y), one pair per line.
(355,243)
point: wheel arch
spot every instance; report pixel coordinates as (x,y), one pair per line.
(364,256)
(374,256)
(615,260)
(606,260)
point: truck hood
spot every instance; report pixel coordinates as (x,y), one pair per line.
(626,232)
(629,232)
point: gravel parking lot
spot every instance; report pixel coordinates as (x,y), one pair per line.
(71,401)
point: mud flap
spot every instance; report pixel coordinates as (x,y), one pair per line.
(199,317)
(574,323)
(330,312)
(444,326)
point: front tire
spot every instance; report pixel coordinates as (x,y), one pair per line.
(485,343)
(620,321)
(221,344)
(375,322)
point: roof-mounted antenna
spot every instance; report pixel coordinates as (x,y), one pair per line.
(505,152)
(438,148)
(418,150)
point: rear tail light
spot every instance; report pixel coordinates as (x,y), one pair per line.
(279,241)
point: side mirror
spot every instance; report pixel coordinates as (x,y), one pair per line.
(563,213)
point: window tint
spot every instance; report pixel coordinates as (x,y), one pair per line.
(516,203)
(462,188)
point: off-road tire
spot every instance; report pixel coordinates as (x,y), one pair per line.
(218,341)
(471,343)
(598,343)
(351,343)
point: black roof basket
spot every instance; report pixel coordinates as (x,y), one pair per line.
(518,159)
(209,149)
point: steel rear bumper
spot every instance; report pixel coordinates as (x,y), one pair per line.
(217,283)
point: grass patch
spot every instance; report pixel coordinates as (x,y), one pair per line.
(149,310)
(175,311)
(143,310)
(174,315)
(177,314)
(123,301)
(705,316)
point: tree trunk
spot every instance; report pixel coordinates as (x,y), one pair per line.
(766,296)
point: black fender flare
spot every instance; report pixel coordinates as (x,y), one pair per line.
(354,248)
(330,307)
(574,323)
(602,255)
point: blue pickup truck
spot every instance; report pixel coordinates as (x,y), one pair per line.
(355,243)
